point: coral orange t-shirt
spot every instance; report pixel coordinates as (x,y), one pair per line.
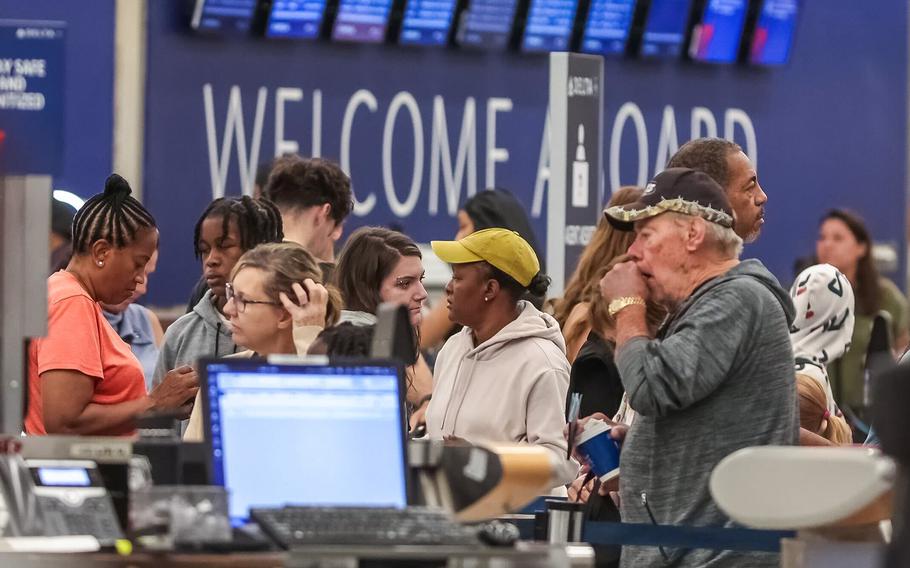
(80,339)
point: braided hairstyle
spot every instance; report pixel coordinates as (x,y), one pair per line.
(258,221)
(112,215)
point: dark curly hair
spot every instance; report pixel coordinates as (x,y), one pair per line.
(297,183)
(345,340)
(707,155)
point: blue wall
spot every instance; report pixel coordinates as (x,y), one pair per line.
(830,127)
(89,107)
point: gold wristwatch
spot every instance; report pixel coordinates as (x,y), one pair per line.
(624,302)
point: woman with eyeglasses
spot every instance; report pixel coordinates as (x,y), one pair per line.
(262,315)
(380,265)
(229,227)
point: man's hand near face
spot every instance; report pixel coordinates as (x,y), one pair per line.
(626,281)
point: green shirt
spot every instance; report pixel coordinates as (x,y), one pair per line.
(846,373)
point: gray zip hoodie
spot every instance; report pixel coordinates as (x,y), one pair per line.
(200,333)
(510,388)
(719,377)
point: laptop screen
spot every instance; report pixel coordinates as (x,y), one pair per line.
(306,435)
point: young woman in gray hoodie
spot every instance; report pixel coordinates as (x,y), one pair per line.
(229,227)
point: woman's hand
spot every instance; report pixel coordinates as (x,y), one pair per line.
(311,306)
(580,490)
(176,391)
(617,431)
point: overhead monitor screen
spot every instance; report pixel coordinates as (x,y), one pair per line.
(773,35)
(487,23)
(549,25)
(716,39)
(228,16)
(298,19)
(363,21)
(665,28)
(607,28)
(427,22)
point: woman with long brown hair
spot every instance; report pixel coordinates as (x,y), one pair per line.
(594,373)
(380,265)
(572,310)
(845,243)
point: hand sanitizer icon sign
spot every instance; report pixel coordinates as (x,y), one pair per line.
(580,172)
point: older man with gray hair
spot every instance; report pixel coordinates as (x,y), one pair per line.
(718,375)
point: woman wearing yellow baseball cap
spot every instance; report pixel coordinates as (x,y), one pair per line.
(504,377)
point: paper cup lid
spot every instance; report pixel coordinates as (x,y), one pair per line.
(593,427)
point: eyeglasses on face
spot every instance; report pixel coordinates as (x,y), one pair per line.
(240,301)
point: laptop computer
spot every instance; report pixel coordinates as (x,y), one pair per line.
(305,434)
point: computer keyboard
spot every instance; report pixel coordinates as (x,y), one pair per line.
(293,527)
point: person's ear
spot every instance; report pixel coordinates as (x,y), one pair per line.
(285,320)
(324,213)
(491,290)
(695,234)
(337,231)
(101,252)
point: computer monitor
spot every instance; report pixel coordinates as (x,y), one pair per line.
(607,27)
(427,22)
(305,434)
(362,21)
(717,35)
(297,19)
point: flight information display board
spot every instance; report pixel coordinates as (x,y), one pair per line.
(427,22)
(231,16)
(363,21)
(665,28)
(298,19)
(487,23)
(774,32)
(549,25)
(717,37)
(606,30)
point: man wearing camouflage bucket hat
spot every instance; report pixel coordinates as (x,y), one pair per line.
(716,377)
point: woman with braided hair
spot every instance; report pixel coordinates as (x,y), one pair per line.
(82,378)
(229,227)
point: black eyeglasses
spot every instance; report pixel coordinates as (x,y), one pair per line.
(242,302)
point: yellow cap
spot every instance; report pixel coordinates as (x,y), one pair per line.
(502,248)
